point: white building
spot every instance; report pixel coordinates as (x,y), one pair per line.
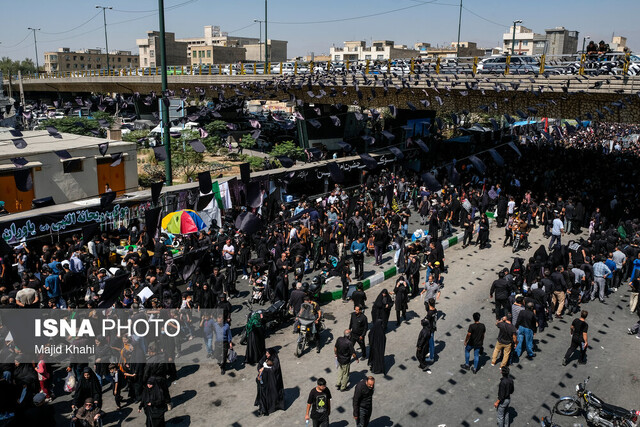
(379,50)
(84,175)
(526,41)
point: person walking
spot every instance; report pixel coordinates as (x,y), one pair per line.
(473,341)
(432,317)
(501,289)
(526,326)
(402,299)
(507,338)
(579,328)
(319,404)
(344,352)
(557,231)
(505,390)
(358,326)
(358,248)
(363,401)
(422,346)
(223,342)
(600,273)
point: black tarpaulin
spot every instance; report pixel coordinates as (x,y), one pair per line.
(106,199)
(430,181)
(23,179)
(204,180)
(197,146)
(102,148)
(156,188)
(422,145)
(160,153)
(116,159)
(19,143)
(397,152)
(478,164)
(285,161)
(152,220)
(336,173)
(63,154)
(513,146)
(254,195)
(369,161)
(496,157)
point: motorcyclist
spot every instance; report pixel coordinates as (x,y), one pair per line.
(310,310)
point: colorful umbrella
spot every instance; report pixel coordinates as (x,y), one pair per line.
(183,222)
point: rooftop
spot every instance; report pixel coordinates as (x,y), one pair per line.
(40,142)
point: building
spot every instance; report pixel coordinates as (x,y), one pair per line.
(467,50)
(203,54)
(149,55)
(618,44)
(526,41)
(555,42)
(561,41)
(277,50)
(87,59)
(83,175)
(379,50)
(218,40)
(322,57)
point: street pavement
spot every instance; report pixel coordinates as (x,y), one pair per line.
(407,396)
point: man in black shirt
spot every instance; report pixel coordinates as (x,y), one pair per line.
(507,338)
(579,330)
(344,351)
(358,297)
(526,326)
(505,389)
(473,341)
(363,401)
(319,402)
(358,326)
(500,288)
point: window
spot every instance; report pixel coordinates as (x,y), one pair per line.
(525,43)
(380,57)
(66,58)
(507,42)
(81,58)
(367,57)
(74,57)
(71,166)
(145,62)
(68,65)
(336,57)
(152,53)
(119,59)
(208,54)
(75,65)
(89,66)
(128,59)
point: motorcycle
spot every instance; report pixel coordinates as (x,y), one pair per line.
(519,241)
(308,330)
(270,317)
(596,412)
(258,291)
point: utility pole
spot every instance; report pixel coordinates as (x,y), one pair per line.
(266,39)
(260,42)
(35,43)
(513,41)
(106,41)
(164,111)
(459,26)
(584,39)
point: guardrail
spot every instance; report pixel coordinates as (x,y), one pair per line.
(579,64)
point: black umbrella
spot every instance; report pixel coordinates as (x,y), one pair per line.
(431,182)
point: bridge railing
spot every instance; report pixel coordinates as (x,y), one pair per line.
(609,64)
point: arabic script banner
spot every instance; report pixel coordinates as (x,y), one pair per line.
(16,231)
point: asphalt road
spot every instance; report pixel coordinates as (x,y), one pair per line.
(406,396)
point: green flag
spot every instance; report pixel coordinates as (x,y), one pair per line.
(216,194)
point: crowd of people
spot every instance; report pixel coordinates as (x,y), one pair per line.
(566,189)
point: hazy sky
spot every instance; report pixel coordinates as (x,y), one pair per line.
(309,26)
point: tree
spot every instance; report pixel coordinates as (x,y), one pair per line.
(216,130)
(247,142)
(135,135)
(75,125)
(11,67)
(185,160)
(289,149)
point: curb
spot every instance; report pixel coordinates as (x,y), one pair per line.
(381,276)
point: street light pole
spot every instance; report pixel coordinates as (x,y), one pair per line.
(260,42)
(106,42)
(35,43)
(166,137)
(513,40)
(459,26)
(266,39)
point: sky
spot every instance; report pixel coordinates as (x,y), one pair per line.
(308,26)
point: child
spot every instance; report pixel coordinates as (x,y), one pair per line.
(118,383)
